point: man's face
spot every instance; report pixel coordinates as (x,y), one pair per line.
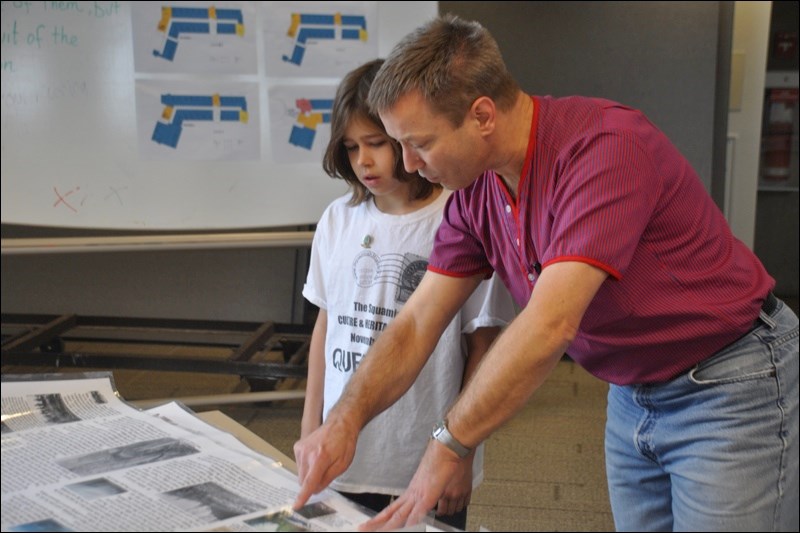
(431,145)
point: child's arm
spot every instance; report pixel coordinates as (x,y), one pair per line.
(478,343)
(315,383)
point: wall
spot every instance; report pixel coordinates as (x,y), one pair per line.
(246,285)
(659,56)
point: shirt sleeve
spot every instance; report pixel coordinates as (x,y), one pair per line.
(314,289)
(602,205)
(489,305)
(456,251)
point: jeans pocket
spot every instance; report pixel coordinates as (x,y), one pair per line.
(746,359)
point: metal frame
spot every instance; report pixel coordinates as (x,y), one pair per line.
(39,340)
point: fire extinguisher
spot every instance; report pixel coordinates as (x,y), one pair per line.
(778,135)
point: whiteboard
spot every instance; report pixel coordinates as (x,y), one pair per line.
(90,103)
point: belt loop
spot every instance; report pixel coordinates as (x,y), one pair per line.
(767,320)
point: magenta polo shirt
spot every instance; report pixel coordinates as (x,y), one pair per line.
(602,185)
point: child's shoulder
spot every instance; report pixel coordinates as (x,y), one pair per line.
(340,210)
(339,203)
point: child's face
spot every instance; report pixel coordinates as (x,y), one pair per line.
(372,159)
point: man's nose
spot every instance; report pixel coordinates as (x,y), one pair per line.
(412,161)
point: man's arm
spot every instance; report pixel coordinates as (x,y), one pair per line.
(516,365)
(384,375)
(527,352)
(458,492)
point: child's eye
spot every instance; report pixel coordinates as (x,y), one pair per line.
(376,144)
(352,148)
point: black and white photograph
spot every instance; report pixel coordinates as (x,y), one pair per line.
(135,454)
(212,500)
(91,489)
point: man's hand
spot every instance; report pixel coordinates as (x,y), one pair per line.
(437,470)
(322,456)
(458,491)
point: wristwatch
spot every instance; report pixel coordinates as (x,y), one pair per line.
(441,433)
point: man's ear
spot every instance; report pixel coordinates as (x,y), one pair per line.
(484,112)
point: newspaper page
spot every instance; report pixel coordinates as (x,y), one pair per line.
(76,457)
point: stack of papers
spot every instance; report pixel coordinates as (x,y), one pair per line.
(77,457)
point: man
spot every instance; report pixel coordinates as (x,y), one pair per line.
(617,255)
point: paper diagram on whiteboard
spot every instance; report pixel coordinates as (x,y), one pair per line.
(198,121)
(300,119)
(195,20)
(180,108)
(311,113)
(308,27)
(318,38)
(194,37)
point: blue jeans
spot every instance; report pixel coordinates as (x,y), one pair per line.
(715,449)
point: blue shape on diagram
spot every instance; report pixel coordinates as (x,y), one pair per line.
(312,113)
(305,26)
(182,108)
(302,137)
(182,20)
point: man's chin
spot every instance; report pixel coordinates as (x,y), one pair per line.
(438,181)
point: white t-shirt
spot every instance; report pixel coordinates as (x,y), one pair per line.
(364,266)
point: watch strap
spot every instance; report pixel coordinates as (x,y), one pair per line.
(443,435)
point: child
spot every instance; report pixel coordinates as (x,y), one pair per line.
(369,252)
